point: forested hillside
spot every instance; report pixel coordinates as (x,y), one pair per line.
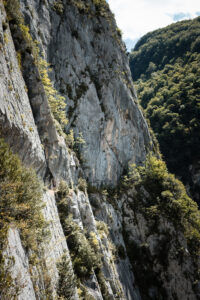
(166,67)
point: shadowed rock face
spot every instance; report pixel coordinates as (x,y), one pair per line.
(90,68)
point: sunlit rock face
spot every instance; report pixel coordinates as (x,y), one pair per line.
(90,68)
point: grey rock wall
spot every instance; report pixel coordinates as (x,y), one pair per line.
(90,68)
(28,126)
(16,118)
(20,270)
(112,216)
(19,128)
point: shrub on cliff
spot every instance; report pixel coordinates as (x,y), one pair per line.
(56,101)
(20,205)
(84,258)
(67,282)
(13,11)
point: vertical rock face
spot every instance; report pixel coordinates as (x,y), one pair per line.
(20,271)
(17,121)
(101,107)
(90,68)
(19,128)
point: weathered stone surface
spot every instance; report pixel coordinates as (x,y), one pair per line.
(16,118)
(103,211)
(90,68)
(57,244)
(80,208)
(21,127)
(20,270)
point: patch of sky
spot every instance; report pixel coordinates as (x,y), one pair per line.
(130,44)
(181,16)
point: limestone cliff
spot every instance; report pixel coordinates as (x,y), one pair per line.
(90,69)
(80,41)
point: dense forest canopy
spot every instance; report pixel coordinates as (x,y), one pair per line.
(164,46)
(166,66)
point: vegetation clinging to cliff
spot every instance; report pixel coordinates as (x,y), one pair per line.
(158,205)
(84,249)
(21,195)
(20,206)
(66,282)
(56,101)
(101,7)
(82,253)
(167,197)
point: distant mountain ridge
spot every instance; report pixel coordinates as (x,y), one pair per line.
(164,46)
